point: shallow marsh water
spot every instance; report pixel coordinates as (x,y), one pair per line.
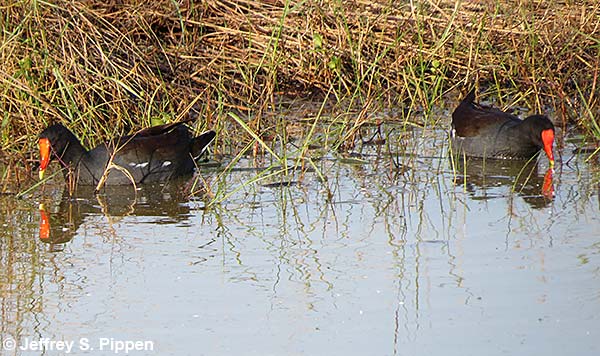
(381,259)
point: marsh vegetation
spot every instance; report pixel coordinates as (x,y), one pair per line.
(108,69)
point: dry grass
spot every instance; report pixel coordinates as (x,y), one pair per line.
(111,67)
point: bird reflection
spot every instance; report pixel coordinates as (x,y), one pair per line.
(548,186)
(522,177)
(60,223)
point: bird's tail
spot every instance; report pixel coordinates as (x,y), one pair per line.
(470,98)
(201,142)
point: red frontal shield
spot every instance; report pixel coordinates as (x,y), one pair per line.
(44,144)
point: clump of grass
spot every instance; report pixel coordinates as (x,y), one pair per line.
(109,68)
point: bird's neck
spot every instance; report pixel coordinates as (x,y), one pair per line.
(72,153)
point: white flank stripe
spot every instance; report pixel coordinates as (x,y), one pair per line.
(138,165)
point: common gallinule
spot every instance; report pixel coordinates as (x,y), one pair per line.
(155,154)
(480,131)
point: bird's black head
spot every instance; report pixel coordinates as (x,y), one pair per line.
(541,130)
(54,142)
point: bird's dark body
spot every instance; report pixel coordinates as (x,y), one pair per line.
(486,132)
(156,154)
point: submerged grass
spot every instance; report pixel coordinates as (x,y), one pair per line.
(105,69)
